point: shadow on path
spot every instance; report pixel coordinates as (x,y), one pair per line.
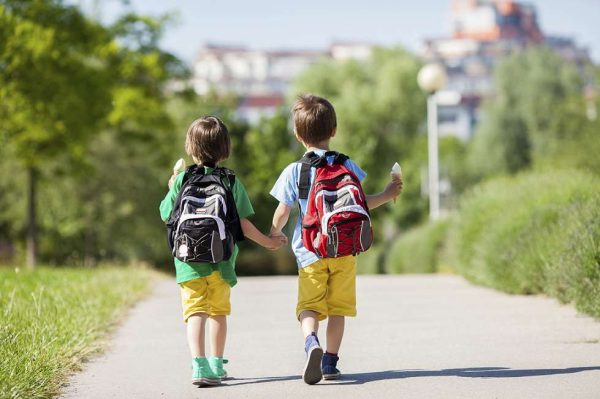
(471,372)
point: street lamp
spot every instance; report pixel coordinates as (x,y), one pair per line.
(431,78)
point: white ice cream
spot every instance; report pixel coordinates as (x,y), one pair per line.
(396,169)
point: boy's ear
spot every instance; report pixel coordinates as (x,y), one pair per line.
(334,131)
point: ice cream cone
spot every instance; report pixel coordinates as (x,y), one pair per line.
(396,172)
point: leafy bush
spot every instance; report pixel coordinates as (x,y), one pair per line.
(531,234)
(418,251)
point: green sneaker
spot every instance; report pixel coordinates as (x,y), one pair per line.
(216,365)
(202,374)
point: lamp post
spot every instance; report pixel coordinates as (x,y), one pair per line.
(431,78)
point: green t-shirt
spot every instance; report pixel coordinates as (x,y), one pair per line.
(190,271)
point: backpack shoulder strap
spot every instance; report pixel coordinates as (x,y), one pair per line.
(192,170)
(308,161)
(304,182)
(229,175)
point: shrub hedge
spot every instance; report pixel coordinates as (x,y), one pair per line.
(533,233)
(418,250)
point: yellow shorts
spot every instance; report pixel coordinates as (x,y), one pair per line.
(328,287)
(209,295)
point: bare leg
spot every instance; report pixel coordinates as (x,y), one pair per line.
(218,334)
(335,333)
(196,325)
(309,321)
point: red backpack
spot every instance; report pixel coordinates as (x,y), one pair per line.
(337,221)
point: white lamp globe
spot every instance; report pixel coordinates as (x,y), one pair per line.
(432,77)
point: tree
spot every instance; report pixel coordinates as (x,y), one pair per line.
(537,109)
(51,60)
(84,109)
(501,144)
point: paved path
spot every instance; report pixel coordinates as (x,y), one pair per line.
(414,337)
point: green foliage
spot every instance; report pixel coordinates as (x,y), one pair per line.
(501,145)
(12,192)
(418,250)
(536,118)
(53,319)
(531,234)
(578,150)
(85,104)
(45,41)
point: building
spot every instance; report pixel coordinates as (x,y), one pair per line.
(261,78)
(246,71)
(484,32)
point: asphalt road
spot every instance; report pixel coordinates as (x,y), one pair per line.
(414,337)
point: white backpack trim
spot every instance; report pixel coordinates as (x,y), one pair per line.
(349,208)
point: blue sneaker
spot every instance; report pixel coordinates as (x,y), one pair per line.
(328,367)
(312,369)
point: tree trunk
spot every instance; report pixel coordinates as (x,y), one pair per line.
(31,225)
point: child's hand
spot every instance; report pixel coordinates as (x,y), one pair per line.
(277,241)
(394,188)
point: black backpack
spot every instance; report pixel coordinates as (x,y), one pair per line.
(204,224)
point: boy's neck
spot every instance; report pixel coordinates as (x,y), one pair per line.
(323,145)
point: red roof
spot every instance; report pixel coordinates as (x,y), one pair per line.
(261,101)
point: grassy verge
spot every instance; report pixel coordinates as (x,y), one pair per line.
(53,318)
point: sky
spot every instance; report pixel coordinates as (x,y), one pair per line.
(314,24)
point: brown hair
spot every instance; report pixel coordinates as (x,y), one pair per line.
(314,118)
(207,140)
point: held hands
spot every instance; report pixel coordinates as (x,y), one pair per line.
(276,241)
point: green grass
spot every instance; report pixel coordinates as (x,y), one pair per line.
(534,233)
(53,318)
(418,250)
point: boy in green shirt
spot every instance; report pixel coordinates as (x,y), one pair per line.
(205,287)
